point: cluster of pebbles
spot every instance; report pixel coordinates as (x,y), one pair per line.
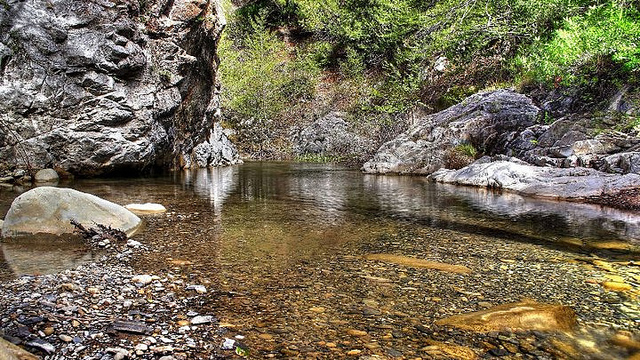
(106,311)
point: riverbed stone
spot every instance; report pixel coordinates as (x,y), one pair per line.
(46,176)
(526,315)
(418,263)
(146,208)
(50,210)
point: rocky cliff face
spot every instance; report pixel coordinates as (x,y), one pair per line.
(100,86)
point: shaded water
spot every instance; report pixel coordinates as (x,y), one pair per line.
(281,245)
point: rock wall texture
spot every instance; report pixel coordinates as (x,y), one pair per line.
(100,86)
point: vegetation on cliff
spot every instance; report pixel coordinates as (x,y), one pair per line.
(383,60)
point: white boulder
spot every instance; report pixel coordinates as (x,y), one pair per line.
(50,210)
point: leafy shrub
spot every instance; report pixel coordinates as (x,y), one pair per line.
(608,31)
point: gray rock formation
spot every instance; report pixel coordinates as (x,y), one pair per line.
(331,136)
(217,150)
(577,184)
(94,86)
(486,121)
(49,210)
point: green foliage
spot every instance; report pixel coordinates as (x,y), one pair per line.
(377,59)
(261,78)
(607,31)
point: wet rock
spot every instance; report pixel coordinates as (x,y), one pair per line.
(46,176)
(41,345)
(199,320)
(50,210)
(516,316)
(419,263)
(147,208)
(133,327)
(579,184)
(200,289)
(142,279)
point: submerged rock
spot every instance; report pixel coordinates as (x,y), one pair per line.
(419,263)
(50,210)
(526,316)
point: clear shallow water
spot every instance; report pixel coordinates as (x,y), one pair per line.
(282,249)
(299,199)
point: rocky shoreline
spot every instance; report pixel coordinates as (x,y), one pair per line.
(107,310)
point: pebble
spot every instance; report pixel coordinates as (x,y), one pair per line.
(142,279)
(200,289)
(199,320)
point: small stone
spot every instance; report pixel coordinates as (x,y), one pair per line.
(265,336)
(142,347)
(354,332)
(142,279)
(134,244)
(42,345)
(47,176)
(65,338)
(198,320)
(182,323)
(228,344)
(75,323)
(93,290)
(48,331)
(354,352)
(200,289)
(318,309)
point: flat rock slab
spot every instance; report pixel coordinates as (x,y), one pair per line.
(418,263)
(50,210)
(133,327)
(525,316)
(146,208)
(577,184)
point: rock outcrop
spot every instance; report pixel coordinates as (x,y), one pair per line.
(50,210)
(576,184)
(331,136)
(568,159)
(99,86)
(488,122)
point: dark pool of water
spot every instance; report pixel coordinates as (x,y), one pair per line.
(298,200)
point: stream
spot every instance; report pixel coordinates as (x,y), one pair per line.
(282,248)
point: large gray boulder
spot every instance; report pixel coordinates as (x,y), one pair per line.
(92,86)
(487,121)
(576,184)
(50,210)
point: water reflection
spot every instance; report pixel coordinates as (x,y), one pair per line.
(43,254)
(316,206)
(214,184)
